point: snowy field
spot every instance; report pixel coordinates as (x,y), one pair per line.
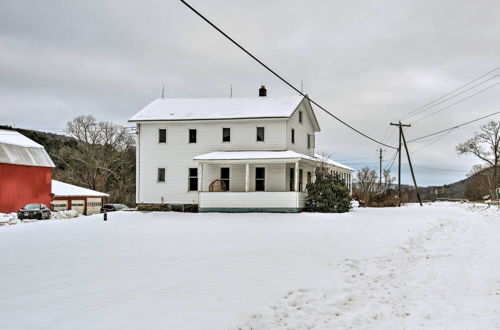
(433,267)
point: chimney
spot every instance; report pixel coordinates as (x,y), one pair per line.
(262,91)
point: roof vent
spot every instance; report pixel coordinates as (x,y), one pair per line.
(262,91)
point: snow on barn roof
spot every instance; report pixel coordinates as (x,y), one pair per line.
(218,108)
(266,155)
(17,149)
(65,189)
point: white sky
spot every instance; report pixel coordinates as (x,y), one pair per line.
(369,63)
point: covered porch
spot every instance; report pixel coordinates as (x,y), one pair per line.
(255,181)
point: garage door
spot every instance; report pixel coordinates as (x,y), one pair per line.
(59,205)
(93,205)
(78,205)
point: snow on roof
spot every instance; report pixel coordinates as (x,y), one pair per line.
(17,139)
(17,149)
(334,163)
(256,155)
(218,108)
(65,189)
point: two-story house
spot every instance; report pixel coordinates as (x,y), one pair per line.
(229,154)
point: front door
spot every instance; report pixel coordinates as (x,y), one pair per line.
(292,179)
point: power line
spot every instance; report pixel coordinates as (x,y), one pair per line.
(456,95)
(440,169)
(454,127)
(280,77)
(409,114)
(453,104)
(432,142)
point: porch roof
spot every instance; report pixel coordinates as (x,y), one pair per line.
(259,156)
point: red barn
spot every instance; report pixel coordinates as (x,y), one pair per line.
(25,172)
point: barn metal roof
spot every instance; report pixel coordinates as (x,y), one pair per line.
(17,149)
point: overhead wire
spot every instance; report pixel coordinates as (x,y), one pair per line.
(281,78)
(453,128)
(409,114)
(453,104)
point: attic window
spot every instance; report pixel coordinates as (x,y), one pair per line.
(300,117)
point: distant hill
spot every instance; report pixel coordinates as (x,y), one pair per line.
(52,142)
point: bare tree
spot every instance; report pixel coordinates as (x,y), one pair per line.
(368,189)
(103,159)
(486,146)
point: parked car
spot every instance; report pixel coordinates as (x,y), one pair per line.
(113,207)
(34,211)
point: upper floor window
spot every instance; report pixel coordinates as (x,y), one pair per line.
(310,141)
(226,134)
(193,179)
(260,133)
(162,135)
(293,135)
(192,136)
(161,175)
(300,117)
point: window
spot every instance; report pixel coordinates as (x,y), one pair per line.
(300,179)
(310,141)
(292,179)
(224,176)
(161,175)
(162,135)
(260,133)
(309,177)
(226,134)
(293,135)
(192,136)
(260,179)
(300,117)
(193,179)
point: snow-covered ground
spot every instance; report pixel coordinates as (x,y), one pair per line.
(436,267)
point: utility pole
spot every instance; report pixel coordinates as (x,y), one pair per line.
(380,168)
(411,169)
(401,137)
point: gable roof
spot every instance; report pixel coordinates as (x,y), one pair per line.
(17,149)
(65,189)
(218,108)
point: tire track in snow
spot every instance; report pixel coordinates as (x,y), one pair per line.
(410,287)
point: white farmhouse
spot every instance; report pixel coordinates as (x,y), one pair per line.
(229,154)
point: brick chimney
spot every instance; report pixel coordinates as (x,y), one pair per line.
(262,91)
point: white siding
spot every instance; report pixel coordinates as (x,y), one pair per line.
(291,200)
(301,131)
(176,156)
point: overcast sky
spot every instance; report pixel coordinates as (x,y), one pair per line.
(367,62)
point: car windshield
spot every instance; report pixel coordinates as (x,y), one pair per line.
(120,206)
(32,207)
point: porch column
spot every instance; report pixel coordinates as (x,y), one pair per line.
(200,177)
(247,177)
(296,179)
